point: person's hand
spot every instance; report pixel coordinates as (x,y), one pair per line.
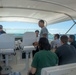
(29,73)
(35,43)
(53,50)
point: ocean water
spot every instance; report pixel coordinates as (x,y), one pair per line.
(19,37)
(50,36)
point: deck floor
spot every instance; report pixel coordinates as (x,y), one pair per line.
(18,64)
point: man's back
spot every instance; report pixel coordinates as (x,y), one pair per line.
(66,54)
(44,59)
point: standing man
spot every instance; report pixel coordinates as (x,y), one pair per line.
(1,30)
(72,40)
(44,31)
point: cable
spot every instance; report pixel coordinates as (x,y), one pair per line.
(70,28)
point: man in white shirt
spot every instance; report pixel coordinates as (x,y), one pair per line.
(37,35)
(56,42)
(36,42)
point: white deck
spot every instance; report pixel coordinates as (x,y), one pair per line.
(18,64)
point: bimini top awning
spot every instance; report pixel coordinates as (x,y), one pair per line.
(52,11)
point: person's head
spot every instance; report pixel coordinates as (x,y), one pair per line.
(1,27)
(43,44)
(37,32)
(64,39)
(56,36)
(71,38)
(41,23)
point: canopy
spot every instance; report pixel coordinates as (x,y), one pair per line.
(52,11)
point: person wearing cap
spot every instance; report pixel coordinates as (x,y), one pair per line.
(44,31)
(1,30)
(72,40)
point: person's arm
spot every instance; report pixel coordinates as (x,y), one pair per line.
(59,51)
(34,64)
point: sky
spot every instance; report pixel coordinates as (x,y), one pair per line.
(21,27)
(62,27)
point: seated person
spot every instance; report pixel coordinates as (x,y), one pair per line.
(56,42)
(72,40)
(43,58)
(0,70)
(66,53)
(2,32)
(37,35)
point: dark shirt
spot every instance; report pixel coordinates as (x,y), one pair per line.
(66,54)
(0,68)
(2,32)
(73,44)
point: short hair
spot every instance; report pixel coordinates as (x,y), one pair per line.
(72,37)
(57,35)
(42,21)
(1,26)
(64,39)
(37,31)
(44,44)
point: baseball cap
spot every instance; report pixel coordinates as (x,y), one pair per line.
(1,26)
(37,31)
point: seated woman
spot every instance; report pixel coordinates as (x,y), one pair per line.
(43,58)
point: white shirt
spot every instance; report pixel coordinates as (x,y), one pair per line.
(55,43)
